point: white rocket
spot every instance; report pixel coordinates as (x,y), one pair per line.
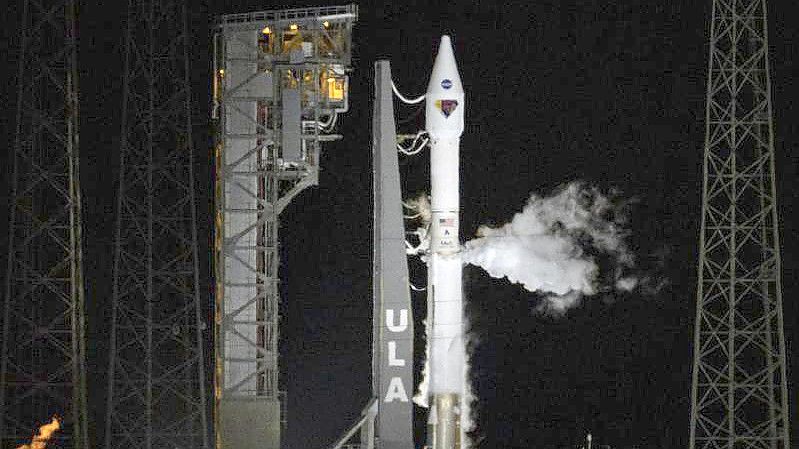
(444,122)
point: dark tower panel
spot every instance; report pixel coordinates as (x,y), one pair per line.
(392,345)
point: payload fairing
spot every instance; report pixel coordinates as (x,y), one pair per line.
(444,122)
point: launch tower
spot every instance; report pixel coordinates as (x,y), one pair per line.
(739,394)
(43,365)
(280,83)
(156,378)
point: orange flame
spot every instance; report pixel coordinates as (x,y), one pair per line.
(45,433)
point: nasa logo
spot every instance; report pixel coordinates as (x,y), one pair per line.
(446,84)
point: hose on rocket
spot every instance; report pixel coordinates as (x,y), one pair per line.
(415,147)
(418,99)
(330,123)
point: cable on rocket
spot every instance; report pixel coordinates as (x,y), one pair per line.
(415,147)
(416,100)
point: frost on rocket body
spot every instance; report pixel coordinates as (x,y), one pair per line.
(551,247)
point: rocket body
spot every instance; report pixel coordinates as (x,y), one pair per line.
(444,122)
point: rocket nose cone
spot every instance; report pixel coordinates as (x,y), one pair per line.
(445,77)
(445,41)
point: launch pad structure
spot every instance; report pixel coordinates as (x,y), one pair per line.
(279,84)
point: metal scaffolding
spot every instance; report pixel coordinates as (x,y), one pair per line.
(156,379)
(739,392)
(279,84)
(43,369)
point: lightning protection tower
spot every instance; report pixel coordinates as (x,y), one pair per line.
(280,83)
(739,392)
(43,370)
(156,379)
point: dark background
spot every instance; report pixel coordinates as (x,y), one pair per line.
(557,91)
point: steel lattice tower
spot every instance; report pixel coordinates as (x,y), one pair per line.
(43,370)
(156,391)
(739,392)
(280,82)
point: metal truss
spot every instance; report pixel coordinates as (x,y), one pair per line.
(43,369)
(295,15)
(255,181)
(156,379)
(739,392)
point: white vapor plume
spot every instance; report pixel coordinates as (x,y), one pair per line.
(423,213)
(564,246)
(422,396)
(551,247)
(421,205)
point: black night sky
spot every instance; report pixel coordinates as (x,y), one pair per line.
(611,94)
